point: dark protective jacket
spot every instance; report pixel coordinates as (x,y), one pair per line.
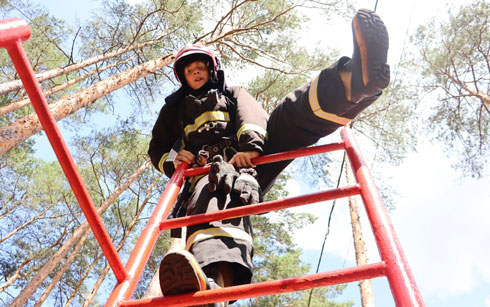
(304,116)
(205,119)
(191,120)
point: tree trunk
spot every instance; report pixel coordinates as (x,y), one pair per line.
(15,105)
(37,217)
(95,288)
(48,267)
(365,286)
(61,271)
(17,84)
(27,126)
(17,273)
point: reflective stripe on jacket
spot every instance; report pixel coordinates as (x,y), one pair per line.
(205,120)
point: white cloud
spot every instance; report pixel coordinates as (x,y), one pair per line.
(339,240)
(487,301)
(442,222)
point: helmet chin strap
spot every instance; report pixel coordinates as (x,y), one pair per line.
(221,86)
(213,75)
(218,76)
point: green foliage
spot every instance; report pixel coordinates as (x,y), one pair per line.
(44,52)
(105,159)
(119,24)
(454,60)
(277,256)
(259,34)
(28,231)
(278,191)
(43,46)
(388,124)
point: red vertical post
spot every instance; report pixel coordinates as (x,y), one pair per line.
(142,251)
(402,283)
(12,33)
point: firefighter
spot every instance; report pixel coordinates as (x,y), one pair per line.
(228,123)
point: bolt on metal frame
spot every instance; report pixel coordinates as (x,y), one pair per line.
(393,264)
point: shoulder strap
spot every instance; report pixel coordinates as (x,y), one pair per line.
(176,101)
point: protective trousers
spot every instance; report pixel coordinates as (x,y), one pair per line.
(312,111)
(307,114)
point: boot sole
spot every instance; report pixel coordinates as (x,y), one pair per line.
(180,273)
(372,38)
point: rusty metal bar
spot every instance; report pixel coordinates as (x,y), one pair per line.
(402,283)
(265,287)
(287,155)
(12,32)
(260,208)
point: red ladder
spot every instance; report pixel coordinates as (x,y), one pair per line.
(393,263)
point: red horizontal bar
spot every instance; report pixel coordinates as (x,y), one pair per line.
(266,287)
(287,155)
(260,208)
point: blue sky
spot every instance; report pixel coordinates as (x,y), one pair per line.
(441,221)
(440,218)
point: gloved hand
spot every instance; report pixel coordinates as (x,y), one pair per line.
(247,187)
(221,175)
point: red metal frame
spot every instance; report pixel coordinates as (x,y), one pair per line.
(12,33)
(393,263)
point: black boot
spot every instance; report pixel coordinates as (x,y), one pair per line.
(367,73)
(180,273)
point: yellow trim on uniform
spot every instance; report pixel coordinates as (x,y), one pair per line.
(206,117)
(208,233)
(200,273)
(195,265)
(162,161)
(253,127)
(317,110)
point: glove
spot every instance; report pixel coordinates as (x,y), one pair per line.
(221,175)
(247,187)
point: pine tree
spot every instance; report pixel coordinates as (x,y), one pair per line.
(454,62)
(124,89)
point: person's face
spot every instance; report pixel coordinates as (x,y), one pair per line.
(196,74)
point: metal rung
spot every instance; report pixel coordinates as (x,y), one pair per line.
(394,264)
(266,287)
(261,208)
